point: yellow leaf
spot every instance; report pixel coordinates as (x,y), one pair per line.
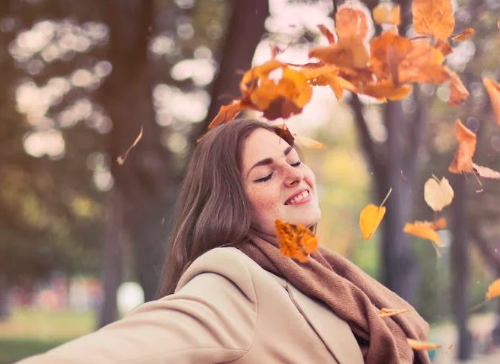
(438,194)
(433,17)
(493,289)
(295,241)
(370,218)
(422,229)
(422,345)
(388,312)
(387,13)
(493,90)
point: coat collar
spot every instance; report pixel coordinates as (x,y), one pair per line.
(332,330)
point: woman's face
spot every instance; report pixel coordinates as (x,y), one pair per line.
(277,183)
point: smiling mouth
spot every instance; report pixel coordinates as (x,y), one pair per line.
(302,197)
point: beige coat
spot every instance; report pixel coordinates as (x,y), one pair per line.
(226,309)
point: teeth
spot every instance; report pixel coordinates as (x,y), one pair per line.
(300,197)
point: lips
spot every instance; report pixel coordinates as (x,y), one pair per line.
(298,193)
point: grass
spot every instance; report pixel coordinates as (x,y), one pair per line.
(31,332)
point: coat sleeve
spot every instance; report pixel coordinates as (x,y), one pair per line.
(210,319)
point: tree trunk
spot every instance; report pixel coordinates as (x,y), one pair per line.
(145,181)
(244,33)
(112,266)
(398,267)
(4,299)
(459,254)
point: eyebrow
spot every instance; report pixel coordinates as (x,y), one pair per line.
(267,161)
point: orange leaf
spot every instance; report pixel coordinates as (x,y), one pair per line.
(422,229)
(352,21)
(443,46)
(433,17)
(369,219)
(327,33)
(295,241)
(347,52)
(422,345)
(226,113)
(423,64)
(485,172)
(493,90)
(462,162)
(385,89)
(466,34)
(439,224)
(308,142)
(493,289)
(388,312)
(387,13)
(458,92)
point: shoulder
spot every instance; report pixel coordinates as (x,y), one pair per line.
(227,263)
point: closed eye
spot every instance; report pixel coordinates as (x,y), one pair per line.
(296,164)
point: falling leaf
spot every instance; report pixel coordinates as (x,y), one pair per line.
(285,134)
(443,46)
(371,216)
(352,21)
(458,92)
(493,289)
(388,312)
(438,194)
(295,241)
(462,162)
(121,158)
(485,172)
(466,34)
(226,113)
(327,33)
(433,17)
(439,224)
(308,142)
(347,52)
(387,13)
(385,89)
(422,345)
(424,230)
(493,90)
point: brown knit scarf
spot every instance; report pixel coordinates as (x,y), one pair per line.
(352,295)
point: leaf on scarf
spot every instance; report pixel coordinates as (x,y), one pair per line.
(422,345)
(462,162)
(371,216)
(387,13)
(493,289)
(424,230)
(388,312)
(466,34)
(226,113)
(433,17)
(493,89)
(295,241)
(438,194)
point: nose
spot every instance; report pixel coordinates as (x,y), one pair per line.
(292,176)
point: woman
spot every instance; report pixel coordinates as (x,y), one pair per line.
(230,296)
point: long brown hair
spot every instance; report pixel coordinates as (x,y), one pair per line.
(212,208)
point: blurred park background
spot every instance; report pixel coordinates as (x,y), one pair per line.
(82,236)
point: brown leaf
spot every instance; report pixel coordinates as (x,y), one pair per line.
(226,113)
(387,13)
(462,162)
(466,34)
(422,229)
(385,89)
(388,312)
(327,33)
(493,89)
(295,241)
(352,22)
(283,131)
(443,46)
(458,92)
(422,345)
(347,52)
(493,289)
(433,17)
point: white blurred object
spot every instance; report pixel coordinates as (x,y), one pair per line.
(129,296)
